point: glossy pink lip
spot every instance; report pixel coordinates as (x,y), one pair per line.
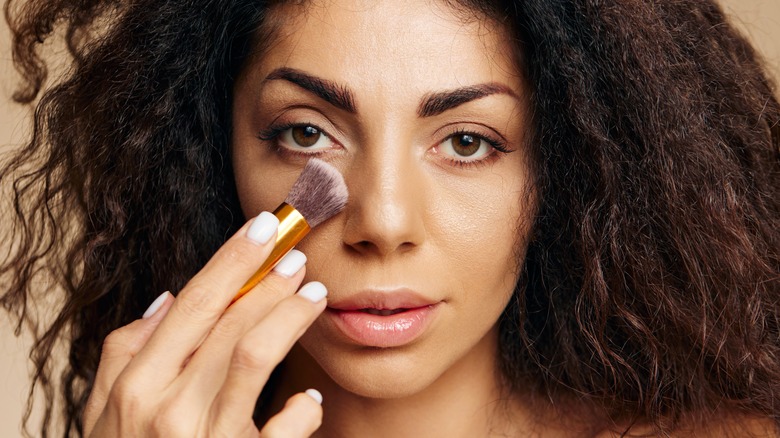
(411,316)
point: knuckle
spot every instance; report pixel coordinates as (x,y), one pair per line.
(197,301)
(220,427)
(115,341)
(170,421)
(125,397)
(161,425)
(229,327)
(252,357)
(238,254)
(277,288)
(297,310)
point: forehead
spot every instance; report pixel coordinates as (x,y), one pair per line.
(362,43)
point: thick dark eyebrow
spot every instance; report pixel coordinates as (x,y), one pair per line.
(337,95)
(436,103)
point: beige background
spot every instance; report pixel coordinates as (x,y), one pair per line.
(760,19)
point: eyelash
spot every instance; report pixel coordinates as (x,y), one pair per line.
(272,132)
(499,145)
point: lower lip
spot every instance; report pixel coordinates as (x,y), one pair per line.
(383,331)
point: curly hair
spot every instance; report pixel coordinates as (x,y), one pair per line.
(651,285)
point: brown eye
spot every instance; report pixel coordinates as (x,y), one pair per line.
(305,136)
(304,139)
(466,145)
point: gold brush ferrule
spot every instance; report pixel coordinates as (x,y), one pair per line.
(292,228)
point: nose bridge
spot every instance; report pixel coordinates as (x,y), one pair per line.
(386,198)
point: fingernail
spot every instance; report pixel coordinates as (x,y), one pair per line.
(263,227)
(314,291)
(155,306)
(291,263)
(313,393)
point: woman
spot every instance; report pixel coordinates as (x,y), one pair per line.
(582,195)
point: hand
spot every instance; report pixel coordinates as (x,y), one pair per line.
(196,366)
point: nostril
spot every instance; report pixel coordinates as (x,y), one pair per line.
(371,229)
(368,246)
(364,245)
(406,246)
(361,247)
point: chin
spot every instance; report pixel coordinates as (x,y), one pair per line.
(380,373)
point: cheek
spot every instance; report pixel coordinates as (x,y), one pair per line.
(484,223)
(259,187)
(261,183)
(483,229)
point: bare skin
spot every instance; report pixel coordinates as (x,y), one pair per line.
(425,114)
(435,208)
(422,215)
(195,358)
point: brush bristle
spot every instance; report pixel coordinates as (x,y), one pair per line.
(319,193)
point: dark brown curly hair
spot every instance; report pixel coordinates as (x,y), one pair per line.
(651,286)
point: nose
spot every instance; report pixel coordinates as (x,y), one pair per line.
(386,208)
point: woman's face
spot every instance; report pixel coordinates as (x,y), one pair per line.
(424,113)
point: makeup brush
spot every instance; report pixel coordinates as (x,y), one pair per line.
(318,194)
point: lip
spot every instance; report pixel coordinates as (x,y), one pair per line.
(412,315)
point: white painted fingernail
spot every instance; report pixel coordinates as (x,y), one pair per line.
(291,263)
(155,306)
(314,291)
(263,227)
(313,393)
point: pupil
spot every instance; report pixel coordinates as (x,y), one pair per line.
(466,145)
(305,135)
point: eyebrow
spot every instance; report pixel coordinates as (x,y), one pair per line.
(334,94)
(431,104)
(436,103)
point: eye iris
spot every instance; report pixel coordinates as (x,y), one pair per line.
(466,145)
(306,135)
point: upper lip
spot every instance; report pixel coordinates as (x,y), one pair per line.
(390,299)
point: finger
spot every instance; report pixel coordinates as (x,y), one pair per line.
(262,348)
(119,348)
(208,367)
(300,417)
(203,300)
